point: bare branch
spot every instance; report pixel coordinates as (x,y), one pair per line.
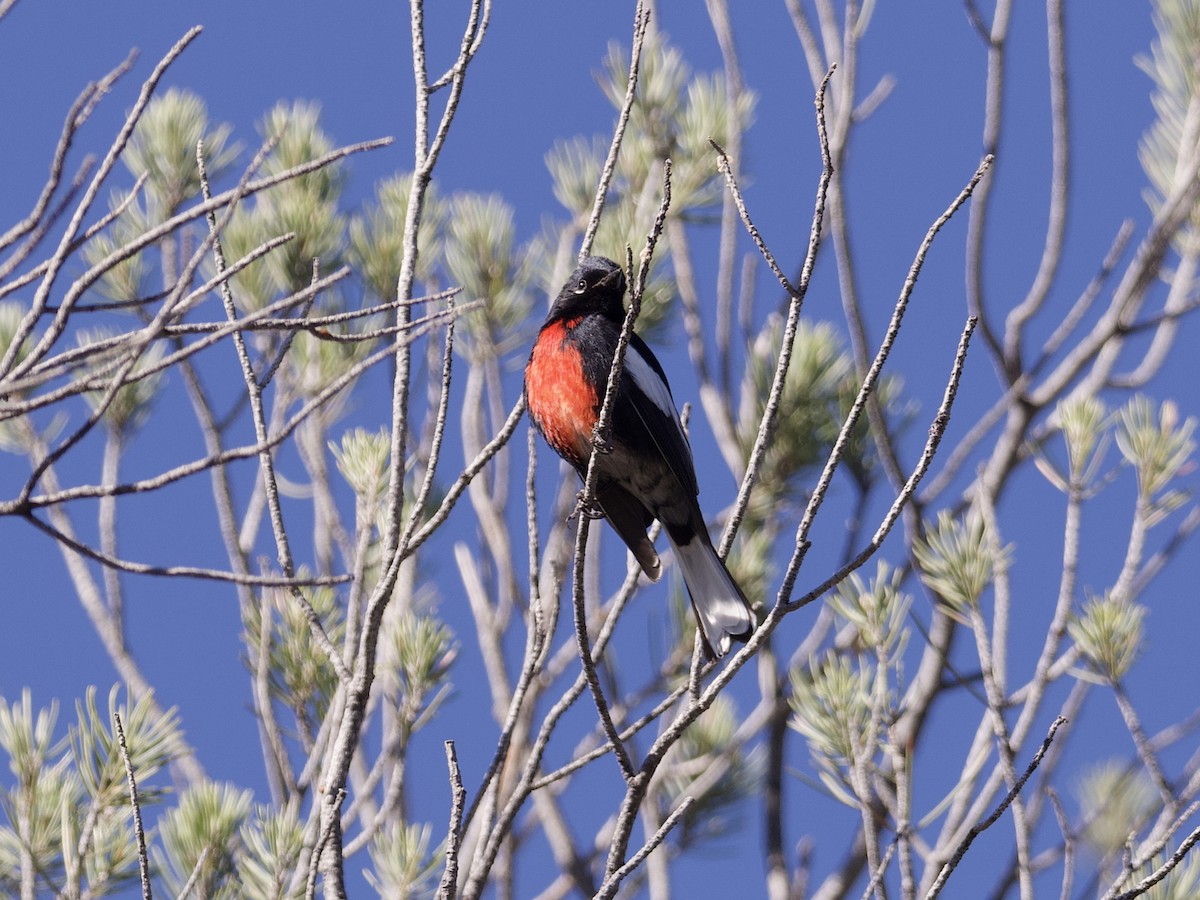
(10,365)
(182,571)
(609,888)
(139,832)
(771,409)
(641,20)
(980,827)
(458,793)
(186,890)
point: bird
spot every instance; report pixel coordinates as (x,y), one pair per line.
(646,471)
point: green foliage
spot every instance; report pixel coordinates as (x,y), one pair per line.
(877,609)
(956,559)
(482,259)
(153,741)
(624,226)
(1167,146)
(123,282)
(575,165)
(662,75)
(1155,443)
(715,812)
(416,652)
(45,788)
(319,228)
(708,113)
(810,410)
(254,286)
(272,838)
(69,808)
(67,812)
(1183,883)
(306,207)
(11,313)
(34,811)
(131,404)
(1083,421)
(296,128)
(28,739)
(199,835)
(300,677)
(673,116)
(377,236)
(111,860)
(1108,632)
(362,458)
(163,147)
(403,863)
(750,561)
(843,704)
(1113,800)
(831,708)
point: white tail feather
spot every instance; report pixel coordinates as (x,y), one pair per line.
(721,609)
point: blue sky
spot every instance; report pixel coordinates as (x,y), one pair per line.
(533,83)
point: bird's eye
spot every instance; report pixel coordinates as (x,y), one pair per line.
(582,286)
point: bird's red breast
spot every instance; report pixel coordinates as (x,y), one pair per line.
(561,400)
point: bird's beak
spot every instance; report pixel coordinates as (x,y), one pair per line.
(614,279)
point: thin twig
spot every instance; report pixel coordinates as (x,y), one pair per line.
(123,565)
(278,436)
(346,738)
(870,379)
(505,819)
(254,389)
(1068,857)
(138,831)
(608,888)
(154,235)
(880,870)
(439,430)
(980,827)
(12,365)
(937,431)
(641,20)
(458,794)
(1144,751)
(482,458)
(1162,871)
(195,874)
(600,444)
(770,415)
(636,789)
(168,311)
(76,116)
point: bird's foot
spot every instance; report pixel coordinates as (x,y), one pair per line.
(591,510)
(600,443)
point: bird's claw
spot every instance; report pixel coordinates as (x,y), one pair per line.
(600,443)
(591,510)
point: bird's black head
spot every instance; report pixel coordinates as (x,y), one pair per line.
(596,286)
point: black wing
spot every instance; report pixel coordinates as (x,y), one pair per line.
(650,401)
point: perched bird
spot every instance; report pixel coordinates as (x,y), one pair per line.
(647,471)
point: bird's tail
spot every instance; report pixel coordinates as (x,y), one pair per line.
(721,608)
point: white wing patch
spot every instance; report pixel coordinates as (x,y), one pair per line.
(653,386)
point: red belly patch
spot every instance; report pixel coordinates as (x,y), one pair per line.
(561,401)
